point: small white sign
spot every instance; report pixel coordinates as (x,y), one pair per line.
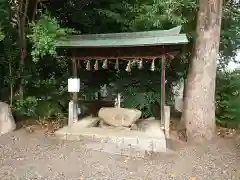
(73,85)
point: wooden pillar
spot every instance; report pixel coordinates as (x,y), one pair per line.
(75,94)
(75,75)
(163,80)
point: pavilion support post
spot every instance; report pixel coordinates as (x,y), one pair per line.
(163,79)
(75,75)
(73,105)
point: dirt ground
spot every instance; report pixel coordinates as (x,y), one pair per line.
(30,156)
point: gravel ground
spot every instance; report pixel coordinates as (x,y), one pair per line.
(30,156)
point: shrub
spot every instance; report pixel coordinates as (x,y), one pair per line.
(228,99)
(32,107)
(147,102)
(26,107)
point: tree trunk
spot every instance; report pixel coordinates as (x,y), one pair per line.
(199,104)
(11,81)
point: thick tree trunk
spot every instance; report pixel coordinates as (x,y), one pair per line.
(199,104)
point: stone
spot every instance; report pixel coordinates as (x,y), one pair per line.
(178,104)
(72,113)
(7,123)
(117,141)
(167,121)
(81,124)
(178,98)
(87,122)
(104,125)
(119,116)
(149,126)
(140,124)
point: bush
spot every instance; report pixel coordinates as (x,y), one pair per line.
(32,107)
(26,107)
(228,99)
(50,109)
(147,102)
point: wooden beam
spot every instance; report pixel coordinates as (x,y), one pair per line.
(144,52)
(124,58)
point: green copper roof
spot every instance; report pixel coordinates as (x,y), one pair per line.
(147,38)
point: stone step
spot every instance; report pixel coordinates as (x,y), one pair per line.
(122,142)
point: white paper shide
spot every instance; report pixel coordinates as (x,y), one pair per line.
(73,85)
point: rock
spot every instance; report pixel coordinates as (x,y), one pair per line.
(134,127)
(7,123)
(103,125)
(178,104)
(106,126)
(149,126)
(167,121)
(87,122)
(119,116)
(139,125)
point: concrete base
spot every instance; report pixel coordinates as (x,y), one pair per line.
(116,141)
